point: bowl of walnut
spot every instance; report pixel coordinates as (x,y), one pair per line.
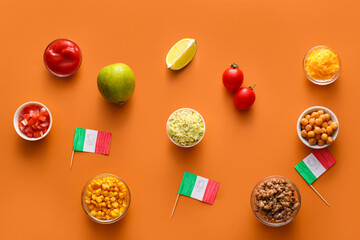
(275,201)
(318,127)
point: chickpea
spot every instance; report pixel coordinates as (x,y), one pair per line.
(334,125)
(327,116)
(304,122)
(329,130)
(322,117)
(304,133)
(329,140)
(329,122)
(317,136)
(321,142)
(324,125)
(308,128)
(308,116)
(317,130)
(312,121)
(312,141)
(321,112)
(324,136)
(311,134)
(323,130)
(302,127)
(319,121)
(315,114)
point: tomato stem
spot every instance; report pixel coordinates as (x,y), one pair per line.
(234,65)
(252,87)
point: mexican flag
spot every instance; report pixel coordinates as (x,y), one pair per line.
(87,140)
(200,188)
(315,164)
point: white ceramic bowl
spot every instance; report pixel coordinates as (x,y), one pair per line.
(312,109)
(177,144)
(16,120)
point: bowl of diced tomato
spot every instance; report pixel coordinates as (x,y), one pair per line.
(32,121)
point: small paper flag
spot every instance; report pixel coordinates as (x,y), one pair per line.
(315,164)
(87,140)
(200,188)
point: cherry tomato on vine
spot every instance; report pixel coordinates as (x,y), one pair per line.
(232,78)
(244,98)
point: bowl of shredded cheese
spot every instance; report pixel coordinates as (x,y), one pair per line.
(321,65)
(185,127)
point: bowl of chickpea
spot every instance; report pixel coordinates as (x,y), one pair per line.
(318,127)
(106,198)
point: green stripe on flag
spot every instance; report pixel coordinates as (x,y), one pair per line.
(305,172)
(187,184)
(79,139)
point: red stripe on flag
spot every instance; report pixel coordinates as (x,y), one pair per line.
(211,191)
(324,157)
(103,142)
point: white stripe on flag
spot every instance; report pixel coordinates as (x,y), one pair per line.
(90,140)
(314,165)
(199,188)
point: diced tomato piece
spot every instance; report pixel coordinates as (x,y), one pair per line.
(31,121)
(37,134)
(42,118)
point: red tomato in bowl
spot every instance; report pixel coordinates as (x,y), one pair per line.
(232,78)
(244,98)
(34,121)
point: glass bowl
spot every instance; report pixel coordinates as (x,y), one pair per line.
(103,220)
(313,109)
(16,120)
(255,200)
(58,74)
(168,124)
(319,81)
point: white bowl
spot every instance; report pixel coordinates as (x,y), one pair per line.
(176,142)
(16,120)
(312,109)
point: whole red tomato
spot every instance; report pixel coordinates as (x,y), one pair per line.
(232,78)
(244,98)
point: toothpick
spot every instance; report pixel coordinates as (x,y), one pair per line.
(320,195)
(72,157)
(174,206)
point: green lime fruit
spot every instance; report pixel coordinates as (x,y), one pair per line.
(116,83)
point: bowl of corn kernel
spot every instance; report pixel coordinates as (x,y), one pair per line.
(106,198)
(321,65)
(317,127)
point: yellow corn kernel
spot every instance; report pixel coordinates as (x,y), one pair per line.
(99,200)
(124,205)
(116,189)
(91,207)
(93,213)
(120,201)
(122,210)
(108,211)
(111,194)
(88,193)
(93,202)
(115,204)
(121,195)
(112,199)
(109,205)
(120,184)
(98,192)
(93,197)
(104,209)
(87,201)
(102,204)
(90,188)
(113,214)
(105,186)
(115,194)
(116,211)
(106,199)
(107,217)
(105,193)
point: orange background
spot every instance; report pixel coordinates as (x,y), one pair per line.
(40,196)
